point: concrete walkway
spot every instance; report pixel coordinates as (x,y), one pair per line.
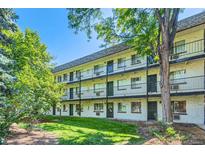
(202,126)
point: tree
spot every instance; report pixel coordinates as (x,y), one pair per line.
(148,31)
(36,90)
(7,22)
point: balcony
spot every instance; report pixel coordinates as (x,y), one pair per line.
(188,50)
(193,49)
(177,86)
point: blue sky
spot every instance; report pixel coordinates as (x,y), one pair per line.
(62,43)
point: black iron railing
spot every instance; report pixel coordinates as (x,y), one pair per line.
(180,85)
(182,51)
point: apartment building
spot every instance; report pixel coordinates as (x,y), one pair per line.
(118,83)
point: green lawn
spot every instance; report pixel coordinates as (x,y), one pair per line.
(76,130)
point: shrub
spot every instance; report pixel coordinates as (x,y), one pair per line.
(170,131)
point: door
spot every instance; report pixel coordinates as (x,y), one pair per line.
(71,76)
(110,109)
(54,109)
(110,90)
(71,93)
(152,111)
(110,66)
(71,109)
(152,83)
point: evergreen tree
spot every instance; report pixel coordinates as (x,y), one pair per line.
(7,22)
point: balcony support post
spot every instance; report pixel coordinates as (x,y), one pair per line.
(106,89)
(80,95)
(147,99)
(204,40)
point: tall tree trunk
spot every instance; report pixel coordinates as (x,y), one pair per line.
(165,86)
(165,69)
(167,30)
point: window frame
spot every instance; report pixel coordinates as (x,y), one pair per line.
(120,108)
(133,85)
(138,104)
(134,59)
(98,89)
(78,74)
(118,85)
(59,78)
(179,112)
(98,107)
(77,107)
(65,77)
(96,71)
(71,76)
(65,108)
(123,62)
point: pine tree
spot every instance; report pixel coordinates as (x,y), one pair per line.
(7,22)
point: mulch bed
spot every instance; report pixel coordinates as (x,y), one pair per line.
(196,136)
(20,136)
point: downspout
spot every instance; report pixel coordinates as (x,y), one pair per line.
(106,90)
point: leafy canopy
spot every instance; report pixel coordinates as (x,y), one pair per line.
(36,90)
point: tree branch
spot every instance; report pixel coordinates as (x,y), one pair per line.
(173,25)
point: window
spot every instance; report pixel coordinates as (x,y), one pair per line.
(59,78)
(99,87)
(121,108)
(58,109)
(98,69)
(177,74)
(98,107)
(180,47)
(135,82)
(151,59)
(65,77)
(77,108)
(65,92)
(121,62)
(78,74)
(71,76)
(88,71)
(121,84)
(136,107)
(135,59)
(179,107)
(64,108)
(77,90)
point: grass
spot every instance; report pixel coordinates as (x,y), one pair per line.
(76,130)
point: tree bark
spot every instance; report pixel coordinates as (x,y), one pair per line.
(164,53)
(165,86)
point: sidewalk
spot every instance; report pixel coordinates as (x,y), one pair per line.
(202,126)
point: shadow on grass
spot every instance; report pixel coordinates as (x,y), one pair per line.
(91,131)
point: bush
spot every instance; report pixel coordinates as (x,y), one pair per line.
(170,131)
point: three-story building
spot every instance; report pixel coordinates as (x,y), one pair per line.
(118,83)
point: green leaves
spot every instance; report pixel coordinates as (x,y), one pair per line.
(36,89)
(137,27)
(7,109)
